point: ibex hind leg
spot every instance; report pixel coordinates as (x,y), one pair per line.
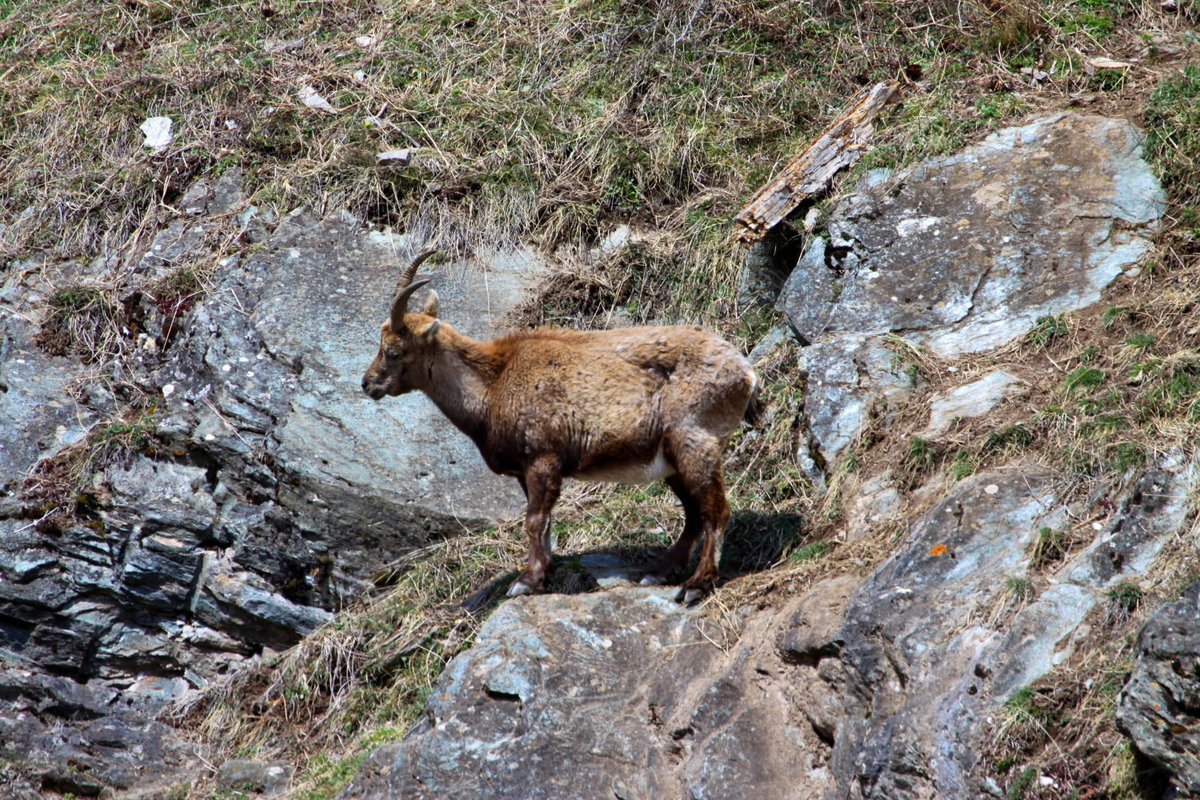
(677,556)
(715,516)
(698,465)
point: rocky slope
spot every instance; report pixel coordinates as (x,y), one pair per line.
(273,490)
(888,685)
(963,557)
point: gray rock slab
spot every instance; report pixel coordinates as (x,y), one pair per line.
(150,496)
(846,376)
(620,693)
(252,608)
(320,307)
(547,698)
(38,416)
(966,251)
(970,400)
(931,645)
(962,254)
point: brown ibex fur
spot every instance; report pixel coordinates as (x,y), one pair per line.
(632,405)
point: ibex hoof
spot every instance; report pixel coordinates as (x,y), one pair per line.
(689,596)
(519,588)
(651,580)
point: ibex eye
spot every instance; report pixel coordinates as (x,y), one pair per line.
(392,352)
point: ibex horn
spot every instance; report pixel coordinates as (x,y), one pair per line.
(407,276)
(405,288)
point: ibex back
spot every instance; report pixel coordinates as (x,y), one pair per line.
(632,405)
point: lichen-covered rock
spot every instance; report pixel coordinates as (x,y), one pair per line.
(1159,707)
(963,253)
(934,641)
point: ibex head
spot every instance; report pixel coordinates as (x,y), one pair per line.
(406,341)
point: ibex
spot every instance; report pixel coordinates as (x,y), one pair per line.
(633,405)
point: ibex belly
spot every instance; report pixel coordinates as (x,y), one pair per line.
(630,472)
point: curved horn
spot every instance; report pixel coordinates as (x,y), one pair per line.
(407,276)
(400,303)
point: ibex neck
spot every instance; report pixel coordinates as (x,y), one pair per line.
(458,379)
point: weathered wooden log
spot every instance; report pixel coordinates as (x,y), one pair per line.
(838,146)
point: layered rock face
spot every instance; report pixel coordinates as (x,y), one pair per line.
(274,488)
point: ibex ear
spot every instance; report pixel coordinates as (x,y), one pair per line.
(431,304)
(426,336)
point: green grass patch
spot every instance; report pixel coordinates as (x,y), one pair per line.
(1083,379)
(811,552)
(1126,596)
(1046,330)
(1018,588)
(1049,545)
(1008,440)
(1172,121)
(1139,341)
(962,466)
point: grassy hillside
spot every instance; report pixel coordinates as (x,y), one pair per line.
(554,122)
(548,121)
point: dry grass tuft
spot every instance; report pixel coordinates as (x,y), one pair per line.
(1062,727)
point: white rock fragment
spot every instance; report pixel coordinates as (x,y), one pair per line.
(279,45)
(158,132)
(168,389)
(395,158)
(614,241)
(971,400)
(313,99)
(1100,62)
(364,41)
(915,226)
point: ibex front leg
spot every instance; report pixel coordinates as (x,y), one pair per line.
(542,483)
